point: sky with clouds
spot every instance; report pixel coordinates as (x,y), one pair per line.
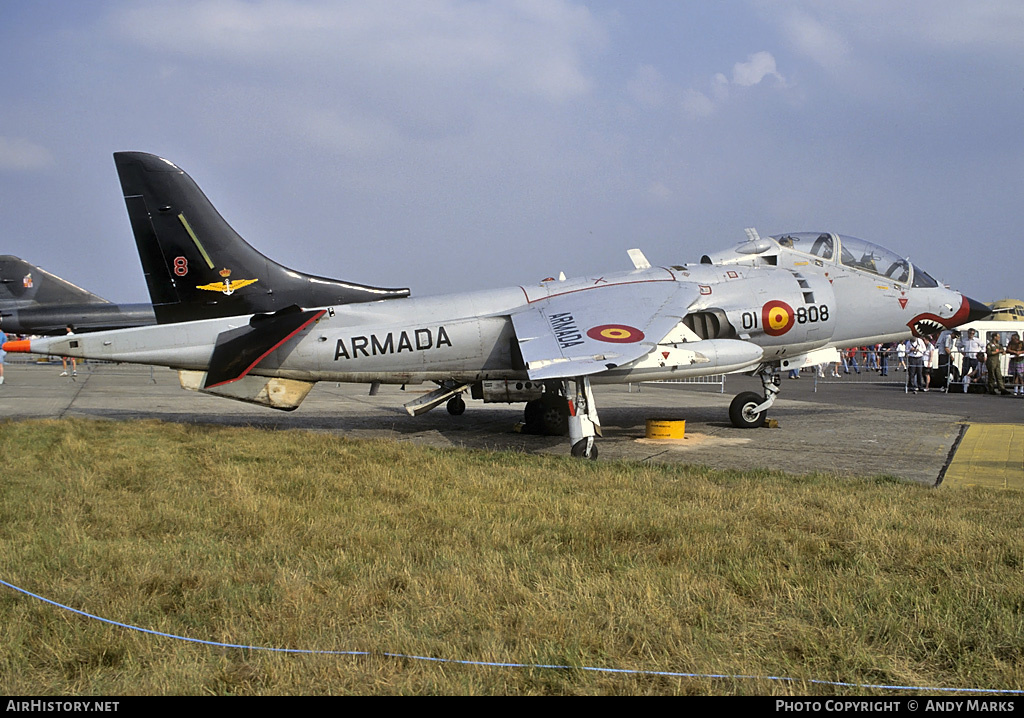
(448,145)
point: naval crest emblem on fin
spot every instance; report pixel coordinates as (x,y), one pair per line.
(228,286)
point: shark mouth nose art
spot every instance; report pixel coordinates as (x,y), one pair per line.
(929,324)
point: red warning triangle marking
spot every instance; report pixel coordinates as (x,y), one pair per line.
(903,302)
(665,354)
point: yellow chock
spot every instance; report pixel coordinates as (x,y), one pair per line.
(666,429)
(771,423)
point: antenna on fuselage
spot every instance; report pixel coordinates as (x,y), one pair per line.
(638,258)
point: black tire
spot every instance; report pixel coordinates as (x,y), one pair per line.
(533,412)
(740,411)
(579,450)
(456,406)
(556,415)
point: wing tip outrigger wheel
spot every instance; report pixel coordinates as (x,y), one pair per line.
(456,405)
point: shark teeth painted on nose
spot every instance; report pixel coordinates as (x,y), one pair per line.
(924,327)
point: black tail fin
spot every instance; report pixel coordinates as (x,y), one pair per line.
(33,301)
(24,284)
(197,266)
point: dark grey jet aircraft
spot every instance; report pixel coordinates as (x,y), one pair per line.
(34,301)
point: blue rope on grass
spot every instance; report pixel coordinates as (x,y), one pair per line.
(456,661)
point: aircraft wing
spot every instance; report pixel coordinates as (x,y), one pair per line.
(592,330)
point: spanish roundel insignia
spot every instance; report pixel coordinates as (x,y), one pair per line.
(776,318)
(616,333)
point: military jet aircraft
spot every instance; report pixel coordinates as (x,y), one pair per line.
(34,301)
(188,278)
(769,303)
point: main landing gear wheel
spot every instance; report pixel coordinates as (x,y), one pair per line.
(547,416)
(533,416)
(456,406)
(741,411)
(579,449)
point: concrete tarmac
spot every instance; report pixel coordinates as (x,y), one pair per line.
(846,427)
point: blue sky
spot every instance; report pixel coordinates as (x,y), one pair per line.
(446,145)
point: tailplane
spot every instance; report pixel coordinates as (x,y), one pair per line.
(198,267)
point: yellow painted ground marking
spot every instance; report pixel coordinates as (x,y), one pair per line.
(989,455)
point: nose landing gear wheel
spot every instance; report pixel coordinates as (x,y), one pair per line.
(741,411)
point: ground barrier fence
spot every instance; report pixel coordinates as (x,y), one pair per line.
(888,366)
(943,372)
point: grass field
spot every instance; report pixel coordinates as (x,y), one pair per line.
(310,541)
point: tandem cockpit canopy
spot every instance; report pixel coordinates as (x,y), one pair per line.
(825,248)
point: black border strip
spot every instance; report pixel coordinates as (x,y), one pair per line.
(951,454)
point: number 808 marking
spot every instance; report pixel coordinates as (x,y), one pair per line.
(812,313)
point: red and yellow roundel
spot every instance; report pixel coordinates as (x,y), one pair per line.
(776,318)
(616,333)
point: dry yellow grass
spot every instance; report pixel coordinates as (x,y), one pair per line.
(309,541)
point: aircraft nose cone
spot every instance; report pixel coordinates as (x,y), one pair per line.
(976,310)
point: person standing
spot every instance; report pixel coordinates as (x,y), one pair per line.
(64,360)
(931,362)
(947,372)
(3,338)
(850,360)
(969,348)
(1016,351)
(916,350)
(994,351)
(871,357)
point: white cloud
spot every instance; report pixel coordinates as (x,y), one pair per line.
(696,104)
(983,26)
(21,154)
(757,67)
(754,71)
(533,47)
(815,39)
